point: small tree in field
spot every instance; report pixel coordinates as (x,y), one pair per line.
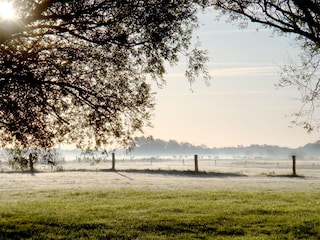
(22,159)
(75,71)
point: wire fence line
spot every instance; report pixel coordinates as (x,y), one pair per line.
(186,163)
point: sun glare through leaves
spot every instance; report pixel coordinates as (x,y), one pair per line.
(6,10)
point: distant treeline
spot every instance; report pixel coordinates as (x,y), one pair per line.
(158,147)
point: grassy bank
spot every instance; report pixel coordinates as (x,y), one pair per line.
(128,214)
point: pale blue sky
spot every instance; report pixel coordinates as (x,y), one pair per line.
(242,106)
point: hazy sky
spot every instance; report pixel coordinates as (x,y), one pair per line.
(242,106)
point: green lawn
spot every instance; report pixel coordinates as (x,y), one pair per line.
(146,214)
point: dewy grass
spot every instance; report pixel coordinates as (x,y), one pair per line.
(146,214)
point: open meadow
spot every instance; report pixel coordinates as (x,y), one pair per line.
(154,200)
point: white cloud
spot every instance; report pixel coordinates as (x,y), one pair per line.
(246,71)
(232,31)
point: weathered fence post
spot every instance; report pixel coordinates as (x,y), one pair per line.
(196,163)
(294,165)
(113,161)
(31,157)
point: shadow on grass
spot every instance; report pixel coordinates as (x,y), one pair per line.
(288,176)
(282,175)
(177,173)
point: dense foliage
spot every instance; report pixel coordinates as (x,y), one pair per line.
(77,71)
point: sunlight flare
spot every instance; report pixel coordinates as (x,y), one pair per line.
(6,10)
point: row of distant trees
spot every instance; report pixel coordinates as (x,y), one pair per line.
(77,71)
(158,147)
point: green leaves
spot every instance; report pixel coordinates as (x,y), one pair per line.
(196,65)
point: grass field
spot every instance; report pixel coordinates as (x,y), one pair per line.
(152,214)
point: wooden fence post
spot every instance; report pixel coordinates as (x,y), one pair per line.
(294,173)
(196,163)
(113,161)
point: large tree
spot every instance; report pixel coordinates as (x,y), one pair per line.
(77,71)
(299,17)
